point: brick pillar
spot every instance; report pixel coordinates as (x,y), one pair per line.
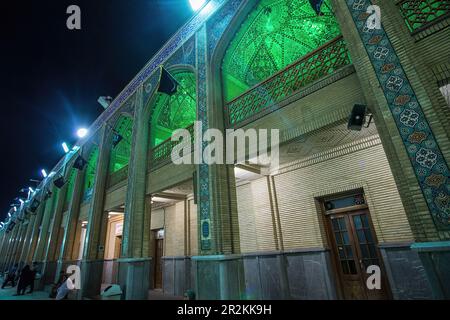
(18,250)
(34,234)
(27,240)
(12,246)
(94,247)
(50,264)
(66,252)
(135,263)
(39,254)
(413,130)
(219,268)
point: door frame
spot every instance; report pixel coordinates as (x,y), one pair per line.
(331,243)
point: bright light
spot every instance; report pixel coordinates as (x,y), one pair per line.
(196,4)
(81,133)
(65,147)
(44,173)
(31,190)
(15,209)
(21,201)
(9,215)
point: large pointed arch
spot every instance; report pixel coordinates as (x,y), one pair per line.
(121,150)
(174,112)
(275,34)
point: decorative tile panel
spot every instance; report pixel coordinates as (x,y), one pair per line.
(430,167)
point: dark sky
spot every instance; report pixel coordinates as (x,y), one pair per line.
(51,77)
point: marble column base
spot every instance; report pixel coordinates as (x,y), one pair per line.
(219,277)
(134,278)
(435,257)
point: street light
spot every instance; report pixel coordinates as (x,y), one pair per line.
(81,133)
(196,4)
(65,147)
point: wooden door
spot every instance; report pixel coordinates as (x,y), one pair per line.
(355,249)
(159,249)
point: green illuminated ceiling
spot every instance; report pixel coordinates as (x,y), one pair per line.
(174,112)
(70,186)
(275,34)
(120,154)
(91,169)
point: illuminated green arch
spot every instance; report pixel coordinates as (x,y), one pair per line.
(91,169)
(275,34)
(174,112)
(120,154)
(70,186)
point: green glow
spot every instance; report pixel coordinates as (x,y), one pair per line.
(91,167)
(174,112)
(275,34)
(70,186)
(120,155)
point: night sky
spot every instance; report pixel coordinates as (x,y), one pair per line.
(51,77)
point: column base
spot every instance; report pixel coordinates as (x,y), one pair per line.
(134,278)
(219,277)
(435,257)
(91,278)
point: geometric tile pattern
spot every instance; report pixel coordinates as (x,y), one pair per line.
(204,203)
(430,167)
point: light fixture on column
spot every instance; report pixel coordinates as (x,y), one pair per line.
(196,4)
(82,132)
(65,147)
(44,173)
(105,101)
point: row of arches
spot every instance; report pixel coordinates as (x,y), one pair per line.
(274,35)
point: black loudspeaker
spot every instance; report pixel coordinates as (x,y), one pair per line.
(79,163)
(10,226)
(59,183)
(34,205)
(357,117)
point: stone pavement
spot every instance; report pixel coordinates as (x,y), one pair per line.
(8,294)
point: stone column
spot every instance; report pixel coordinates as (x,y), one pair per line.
(94,247)
(219,268)
(65,253)
(135,263)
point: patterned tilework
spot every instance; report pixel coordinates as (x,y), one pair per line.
(428,162)
(219,23)
(204,205)
(183,56)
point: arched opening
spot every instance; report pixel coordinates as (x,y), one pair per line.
(121,150)
(174,112)
(275,34)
